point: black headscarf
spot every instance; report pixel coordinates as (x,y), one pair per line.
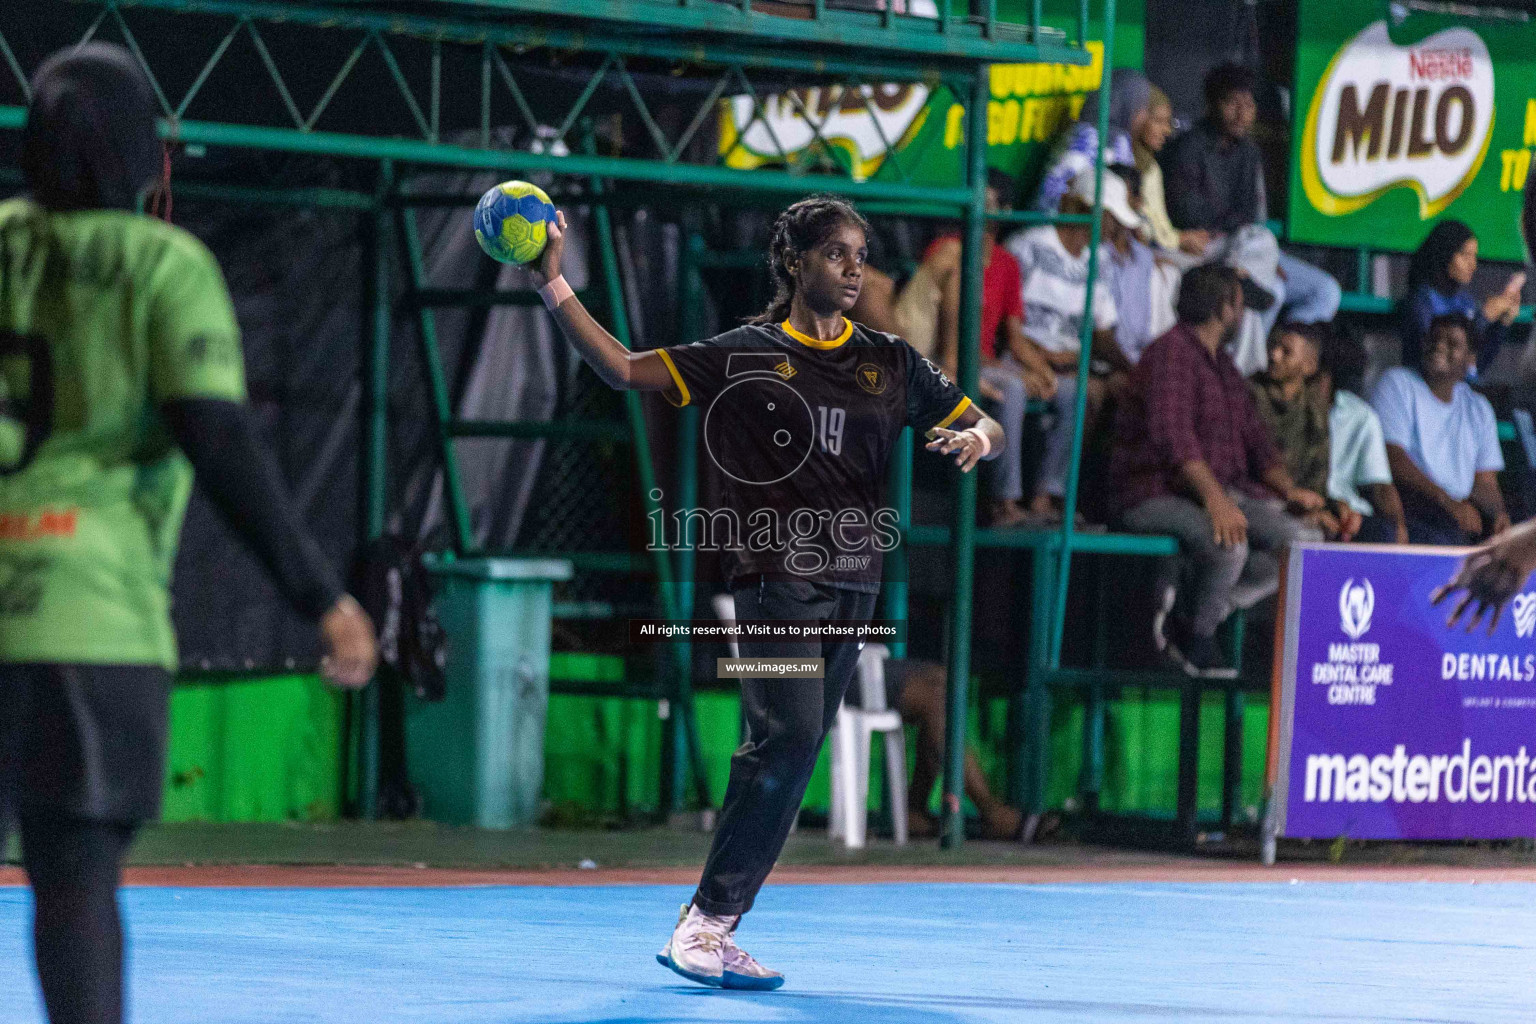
(1428,263)
(90,141)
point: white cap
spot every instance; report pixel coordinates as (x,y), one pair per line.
(1117,198)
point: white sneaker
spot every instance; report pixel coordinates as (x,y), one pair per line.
(697,947)
(743,972)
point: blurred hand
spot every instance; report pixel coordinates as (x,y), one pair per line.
(352,652)
(963,444)
(1492,575)
(1467,517)
(1194,241)
(1500,525)
(1350,521)
(1504,306)
(548,266)
(1303,500)
(1228,523)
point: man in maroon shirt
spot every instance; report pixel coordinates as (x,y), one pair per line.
(1194,460)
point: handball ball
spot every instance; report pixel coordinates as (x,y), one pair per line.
(511,221)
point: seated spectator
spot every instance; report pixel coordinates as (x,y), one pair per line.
(1442,441)
(916,689)
(1193,459)
(1142,281)
(1293,398)
(1215,182)
(1146,143)
(1439,276)
(1054,262)
(1078,147)
(1358,471)
(927,314)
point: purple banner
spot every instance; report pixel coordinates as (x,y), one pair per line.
(1394,726)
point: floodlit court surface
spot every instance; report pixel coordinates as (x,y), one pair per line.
(1222,942)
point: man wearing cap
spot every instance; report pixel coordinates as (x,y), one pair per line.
(1053,260)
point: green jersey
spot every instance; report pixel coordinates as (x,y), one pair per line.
(104,316)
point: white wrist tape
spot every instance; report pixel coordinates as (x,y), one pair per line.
(556,292)
(981,435)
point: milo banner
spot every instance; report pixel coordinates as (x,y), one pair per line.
(1398,122)
(891,131)
(1389,724)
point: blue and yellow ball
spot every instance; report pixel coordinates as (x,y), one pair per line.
(512,222)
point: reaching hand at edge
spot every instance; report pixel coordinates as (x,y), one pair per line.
(1491,575)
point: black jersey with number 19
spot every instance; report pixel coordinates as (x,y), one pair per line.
(798,433)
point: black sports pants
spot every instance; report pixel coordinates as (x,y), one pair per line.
(786,722)
(74,866)
(82,755)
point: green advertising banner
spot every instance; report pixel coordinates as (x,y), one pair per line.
(887,131)
(1400,122)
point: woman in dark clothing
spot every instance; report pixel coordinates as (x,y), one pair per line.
(1439,279)
(122,376)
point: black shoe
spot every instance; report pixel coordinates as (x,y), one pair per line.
(1255,297)
(1198,656)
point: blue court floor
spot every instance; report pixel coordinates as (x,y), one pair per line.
(906,954)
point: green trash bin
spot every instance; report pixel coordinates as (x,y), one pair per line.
(477,755)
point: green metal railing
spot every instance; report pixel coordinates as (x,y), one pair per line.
(726,48)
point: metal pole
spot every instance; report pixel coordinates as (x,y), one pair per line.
(377,367)
(437,384)
(896,563)
(438,154)
(685,735)
(671,592)
(964,552)
(1085,342)
(376,470)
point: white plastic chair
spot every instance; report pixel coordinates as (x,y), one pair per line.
(851,738)
(725,611)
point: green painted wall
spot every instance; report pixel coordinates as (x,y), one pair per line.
(265,749)
(270,750)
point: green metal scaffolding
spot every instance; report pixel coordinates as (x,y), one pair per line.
(736,50)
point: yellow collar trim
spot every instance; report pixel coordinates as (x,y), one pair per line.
(807,340)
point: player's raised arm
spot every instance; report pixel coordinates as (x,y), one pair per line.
(616,365)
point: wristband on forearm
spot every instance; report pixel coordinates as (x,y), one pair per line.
(556,292)
(986,442)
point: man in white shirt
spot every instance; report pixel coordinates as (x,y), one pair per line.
(1053,260)
(1442,441)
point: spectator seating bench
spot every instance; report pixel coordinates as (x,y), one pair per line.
(1031,699)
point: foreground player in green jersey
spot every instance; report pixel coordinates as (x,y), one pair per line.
(120,373)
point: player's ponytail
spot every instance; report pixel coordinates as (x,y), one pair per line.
(797,231)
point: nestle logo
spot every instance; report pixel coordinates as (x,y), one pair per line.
(1440,65)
